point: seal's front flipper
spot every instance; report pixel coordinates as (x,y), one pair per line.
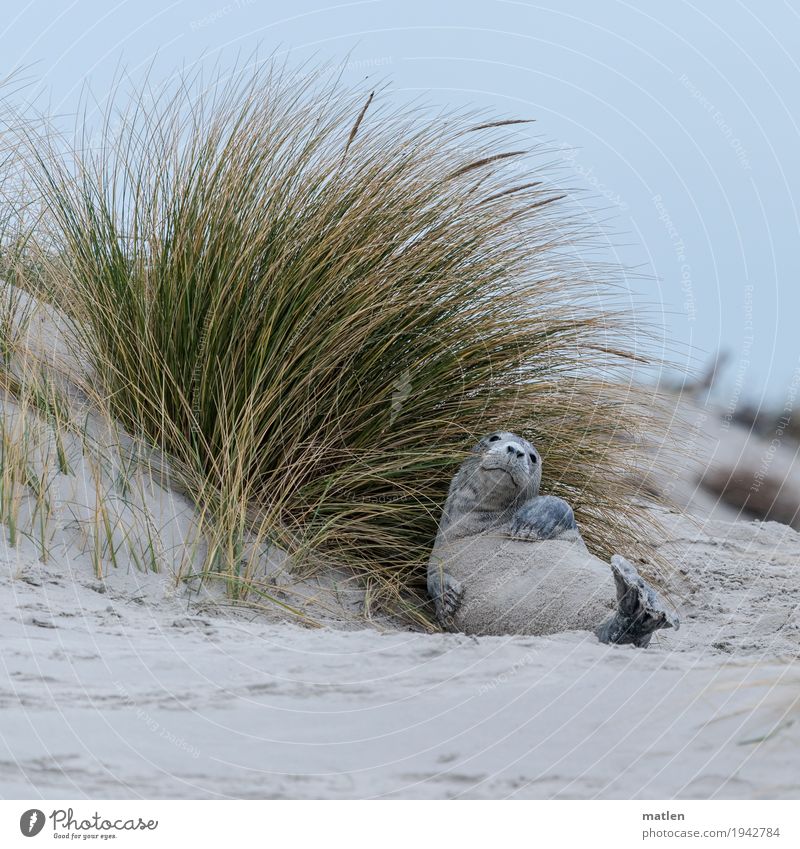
(640,609)
(544,517)
(446,593)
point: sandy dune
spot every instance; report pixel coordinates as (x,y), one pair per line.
(129,689)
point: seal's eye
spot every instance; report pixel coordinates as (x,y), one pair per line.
(533,458)
(494,438)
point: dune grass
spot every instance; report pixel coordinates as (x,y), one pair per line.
(315,301)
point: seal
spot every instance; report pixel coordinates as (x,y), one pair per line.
(510,561)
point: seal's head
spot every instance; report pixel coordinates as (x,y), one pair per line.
(507,470)
(503,471)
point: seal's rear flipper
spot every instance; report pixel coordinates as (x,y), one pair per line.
(640,610)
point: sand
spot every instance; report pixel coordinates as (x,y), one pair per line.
(128,689)
(123,683)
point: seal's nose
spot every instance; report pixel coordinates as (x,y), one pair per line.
(513,450)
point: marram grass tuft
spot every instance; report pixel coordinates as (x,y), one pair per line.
(316,302)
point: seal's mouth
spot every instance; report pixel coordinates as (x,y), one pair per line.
(498,467)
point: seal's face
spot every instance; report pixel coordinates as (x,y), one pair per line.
(509,470)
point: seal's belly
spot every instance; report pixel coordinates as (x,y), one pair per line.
(515,587)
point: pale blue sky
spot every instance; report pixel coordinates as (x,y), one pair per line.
(680,120)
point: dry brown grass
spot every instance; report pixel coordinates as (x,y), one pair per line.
(316,301)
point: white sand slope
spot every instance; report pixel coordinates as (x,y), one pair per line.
(81,489)
(129,689)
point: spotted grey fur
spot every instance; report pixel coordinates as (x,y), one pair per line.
(495,493)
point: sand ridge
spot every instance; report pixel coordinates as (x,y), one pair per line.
(129,688)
